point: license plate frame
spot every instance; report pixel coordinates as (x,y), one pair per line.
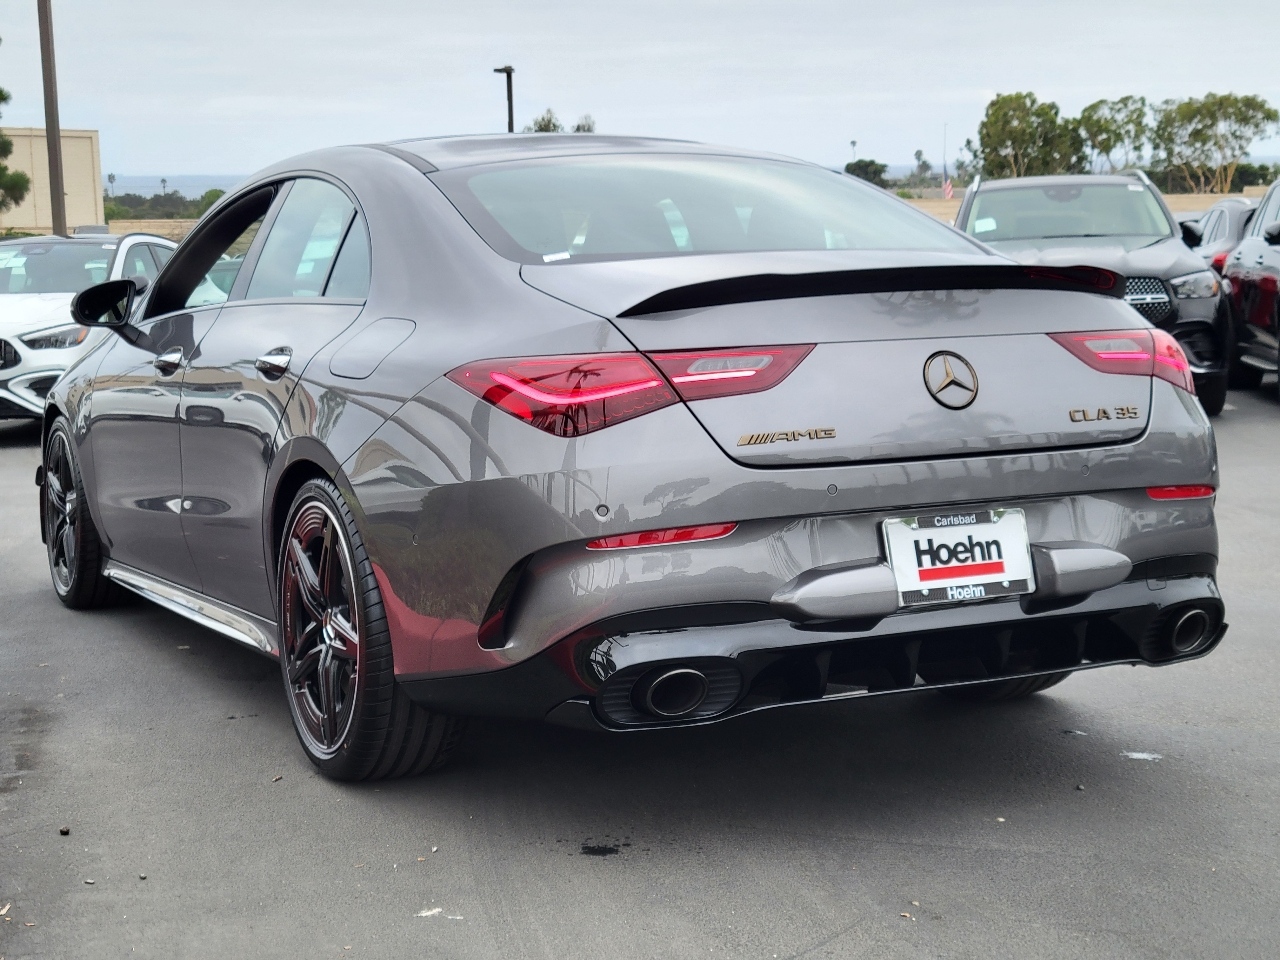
(986,556)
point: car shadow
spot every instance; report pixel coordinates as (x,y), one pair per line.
(19,433)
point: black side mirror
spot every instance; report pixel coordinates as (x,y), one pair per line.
(1192,235)
(1272,234)
(140,284)
(105,305)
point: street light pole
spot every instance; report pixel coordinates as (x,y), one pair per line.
(52,130)
(511,109)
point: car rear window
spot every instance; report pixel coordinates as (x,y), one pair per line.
(1067,210)
(626,207)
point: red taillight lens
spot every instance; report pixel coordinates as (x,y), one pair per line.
(1219,261)
(659,538)
(1141,353)
(569,395)
(1194,491)
(1171,362)
(702,374)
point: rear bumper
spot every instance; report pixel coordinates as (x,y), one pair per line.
(593,678)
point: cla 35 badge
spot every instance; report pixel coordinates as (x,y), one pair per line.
(956,557)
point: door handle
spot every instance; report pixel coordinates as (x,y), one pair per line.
(275,363)
(1261,258)
(169,361)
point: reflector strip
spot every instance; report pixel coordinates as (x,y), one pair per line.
(1194,491)
(658,538)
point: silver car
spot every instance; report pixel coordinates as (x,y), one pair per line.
(625,434)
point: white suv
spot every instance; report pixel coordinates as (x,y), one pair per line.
(38,278)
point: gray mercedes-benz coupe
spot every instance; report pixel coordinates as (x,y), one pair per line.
(626,434)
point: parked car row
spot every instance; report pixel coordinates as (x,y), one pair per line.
(1119,223)
(632,434)
(38,278)
(1252,272)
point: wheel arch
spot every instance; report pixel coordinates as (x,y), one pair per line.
(298,461)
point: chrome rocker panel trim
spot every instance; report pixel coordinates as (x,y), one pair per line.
(239,625)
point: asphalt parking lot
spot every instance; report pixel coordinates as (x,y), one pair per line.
(900,827)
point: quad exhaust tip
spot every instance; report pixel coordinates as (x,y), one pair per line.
(1190,631)
(674,693)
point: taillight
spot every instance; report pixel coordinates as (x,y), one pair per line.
(702,374)
(1171,361)
(1191,491)
(1219,261)
(1141,353)
(658,538)
(568,395)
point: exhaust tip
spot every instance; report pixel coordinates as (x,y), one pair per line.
(1190,631)
(675,693)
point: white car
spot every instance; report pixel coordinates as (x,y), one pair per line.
(38,278)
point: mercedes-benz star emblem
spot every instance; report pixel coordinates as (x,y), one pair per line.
(951,380)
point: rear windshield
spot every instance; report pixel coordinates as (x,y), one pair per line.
(1072,210)
(628,207)
(53,267)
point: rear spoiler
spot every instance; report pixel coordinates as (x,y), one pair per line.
(786,286)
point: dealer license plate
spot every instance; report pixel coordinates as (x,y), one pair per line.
(960,557)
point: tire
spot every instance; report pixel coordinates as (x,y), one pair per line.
(1244,377)
(1212,393)
(72,544)
(353,720)
(1001,690)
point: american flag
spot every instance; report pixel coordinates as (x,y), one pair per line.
(946,189)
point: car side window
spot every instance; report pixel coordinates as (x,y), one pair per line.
(162,254)
(203,269)
(350,276)
(138,262)
(1213,226)
(216,285)
(303,242)
(1269,213)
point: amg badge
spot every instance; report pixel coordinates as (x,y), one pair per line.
(813,433)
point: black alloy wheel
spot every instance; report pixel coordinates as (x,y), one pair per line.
(72,543)
(352,718)
(320,628)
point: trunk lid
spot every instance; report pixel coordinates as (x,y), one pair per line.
(866,392)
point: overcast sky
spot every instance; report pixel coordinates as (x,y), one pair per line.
(181,87)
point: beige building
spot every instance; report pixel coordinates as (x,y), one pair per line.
(81,174)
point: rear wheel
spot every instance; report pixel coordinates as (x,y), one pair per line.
(352,718)
(1212,393)
(71,540)
(999,690)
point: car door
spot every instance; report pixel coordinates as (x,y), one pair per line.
(136,402)
(237,385)
(1254,305)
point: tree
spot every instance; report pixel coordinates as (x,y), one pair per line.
(868,170)
(111,179)
(585,124)
(1204,139)
(1021,137)
(1115,126)
(207,200)
(546,123)
(14,184)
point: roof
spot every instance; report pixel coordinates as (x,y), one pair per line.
(1059,180)
(449,152)
(98,239)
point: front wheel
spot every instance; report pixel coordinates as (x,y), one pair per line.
(72,544)
(1212,393)
(352,718)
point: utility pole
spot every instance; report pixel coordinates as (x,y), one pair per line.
(511,109)
(52,130)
